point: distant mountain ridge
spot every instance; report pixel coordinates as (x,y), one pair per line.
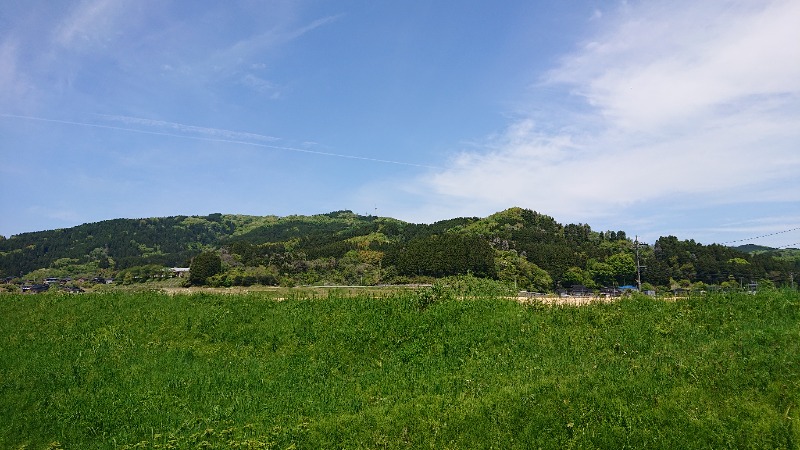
(751,248)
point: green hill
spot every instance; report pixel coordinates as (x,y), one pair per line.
(785,254)
(752,248)
(519,246)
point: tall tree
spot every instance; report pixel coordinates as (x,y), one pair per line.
(204,265)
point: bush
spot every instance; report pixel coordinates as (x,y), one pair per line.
(245,276)
(429,295)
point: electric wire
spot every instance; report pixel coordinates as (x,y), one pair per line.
(762,236)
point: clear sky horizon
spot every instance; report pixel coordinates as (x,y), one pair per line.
(656,118)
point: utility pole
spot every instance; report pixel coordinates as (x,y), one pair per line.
(639,267)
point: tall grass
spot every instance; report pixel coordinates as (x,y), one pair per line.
(146,370)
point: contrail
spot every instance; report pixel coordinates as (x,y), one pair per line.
(182,127)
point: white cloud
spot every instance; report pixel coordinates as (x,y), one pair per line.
(246,53)
(93,23)
(695,101)
(14,85)
(657,66)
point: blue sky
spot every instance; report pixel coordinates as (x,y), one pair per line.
(657,118)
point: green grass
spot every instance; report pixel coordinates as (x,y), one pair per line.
(147,370)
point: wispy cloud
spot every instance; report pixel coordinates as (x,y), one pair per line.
(45,48)
(280,34)
(690,101)
(262,86)
(148,47)
(239,60)
(91,23)
(14,84)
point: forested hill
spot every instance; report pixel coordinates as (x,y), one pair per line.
(516,245)
(167,241)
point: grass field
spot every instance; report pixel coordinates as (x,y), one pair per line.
(149,370)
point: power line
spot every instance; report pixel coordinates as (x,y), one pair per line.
(762,236)
(790,245)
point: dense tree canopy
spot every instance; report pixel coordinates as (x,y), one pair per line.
(446,254)
(204,266)
(518,246)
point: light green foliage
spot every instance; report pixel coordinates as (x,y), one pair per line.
(243,224)
(142,274)
(366,240)
(319,249)
(576,275)
(360,267)
(147,370)
(245,276)
(602,273)
(41,274)
(616,270)
(462,287)
(64,263)
(525,275)
(623,266)
(510,219)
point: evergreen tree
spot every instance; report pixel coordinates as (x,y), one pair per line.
(204,265)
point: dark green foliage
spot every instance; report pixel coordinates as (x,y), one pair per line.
(247,276)
(168,241)
(204,266)
(711,264)
(444,255)
(148,370)
(320,249)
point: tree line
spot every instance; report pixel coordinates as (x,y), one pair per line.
(519,246)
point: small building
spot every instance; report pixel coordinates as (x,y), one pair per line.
(579,290)
(35,288)
(179,272)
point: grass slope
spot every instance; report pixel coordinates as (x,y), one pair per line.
(146,370)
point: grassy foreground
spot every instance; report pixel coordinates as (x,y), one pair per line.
(147,370)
